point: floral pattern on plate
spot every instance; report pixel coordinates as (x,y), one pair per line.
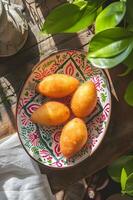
(42,143)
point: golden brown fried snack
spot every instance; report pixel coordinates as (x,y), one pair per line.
(57,85)
(84,99)
(51,113)
(73,137)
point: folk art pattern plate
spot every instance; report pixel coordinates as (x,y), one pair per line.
(42,143)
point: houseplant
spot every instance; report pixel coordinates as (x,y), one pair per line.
(121,171)
(112,43)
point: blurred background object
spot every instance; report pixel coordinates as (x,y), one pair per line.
(13,28)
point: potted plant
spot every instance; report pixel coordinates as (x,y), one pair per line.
(121,171)
(112,42)
(112,183)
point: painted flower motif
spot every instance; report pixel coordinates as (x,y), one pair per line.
(34,139)
(57,164)
(53,68)
(42,72)
(22,102)
(32,107)
(93,141)
(98,82)
(56,136)
(69,69)
(45,154)
(39,73)
(57,149)
(24,119)
(106,109)
(103,117)
(56,144)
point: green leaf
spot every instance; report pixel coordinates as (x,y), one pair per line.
(123,1)
(130,27)
(129,185)
(110,42)
(112,49)
(123,179)
(61,18)
(110,62)
(87,18)
(129,94)
(116,167)
(129,13)
(110,16)
(85,21)
(72,17)
(126,72)
(103,97)
(81,3)
(129,63)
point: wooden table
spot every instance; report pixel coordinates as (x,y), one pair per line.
(14,69)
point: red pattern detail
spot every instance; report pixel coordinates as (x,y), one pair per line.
(31,108)
(41,72)
(98,81)
(24,119)
(88,70)
(45,154)
(93,142)
(69,69)
(58,164)
(103,117)
(78,60)
(57,143)
(34,138)
(71,52)
(57,149)
(57,137)
(106,109)
(22,102)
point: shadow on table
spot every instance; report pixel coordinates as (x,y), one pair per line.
(14,70)
(21,63)
(47,5)
(7,99)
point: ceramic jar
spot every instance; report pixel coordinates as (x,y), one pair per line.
(13,30)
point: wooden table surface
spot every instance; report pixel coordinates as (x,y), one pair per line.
(14,70)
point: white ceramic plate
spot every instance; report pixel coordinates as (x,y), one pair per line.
(42,144)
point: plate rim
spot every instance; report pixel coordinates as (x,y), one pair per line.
(19,95)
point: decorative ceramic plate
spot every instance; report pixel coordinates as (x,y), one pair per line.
(42,144)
